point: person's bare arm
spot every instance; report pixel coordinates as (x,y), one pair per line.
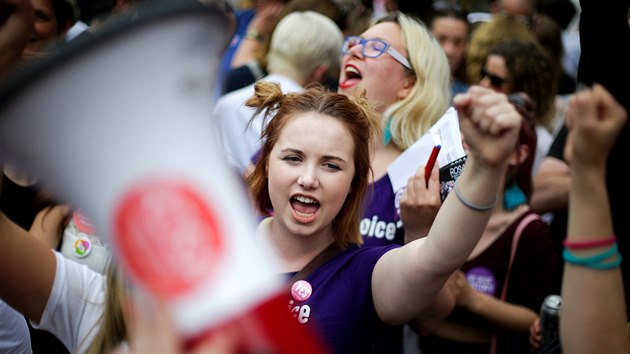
(262,25)
(27,268)
(16,25)
(551,186)
(593,313)
(427,321)
(407,279)
(511,317)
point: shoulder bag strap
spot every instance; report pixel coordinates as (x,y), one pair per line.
(515,239)
(517,236)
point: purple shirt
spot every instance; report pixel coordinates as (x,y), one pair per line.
(340,306)
(381,224)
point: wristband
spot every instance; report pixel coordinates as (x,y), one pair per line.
(599,265)
(608,265)
(471,205)
(579,245)
(590,261)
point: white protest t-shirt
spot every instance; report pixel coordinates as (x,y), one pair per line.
(75,305)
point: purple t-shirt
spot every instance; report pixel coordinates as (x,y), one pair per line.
(381,224)
(340,305)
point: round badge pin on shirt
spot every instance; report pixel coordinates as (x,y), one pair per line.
(82,247)
(301,290)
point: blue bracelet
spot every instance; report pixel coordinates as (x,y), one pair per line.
(595,261)
(602,265)
(571,258)
(471,205)
(608,265)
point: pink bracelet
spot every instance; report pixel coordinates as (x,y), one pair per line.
(578,245)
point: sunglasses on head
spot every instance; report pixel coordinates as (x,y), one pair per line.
(495,80)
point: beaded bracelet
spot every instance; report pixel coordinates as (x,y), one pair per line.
(579,245)
(596,261)
(471,205)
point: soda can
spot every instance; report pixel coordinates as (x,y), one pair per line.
(549,324)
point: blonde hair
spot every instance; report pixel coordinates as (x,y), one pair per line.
(112,329)
(303,41)
(430,95)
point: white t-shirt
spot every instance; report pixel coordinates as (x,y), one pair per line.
(14,336)
(544,141)
(230,117)
(75,306)
(82,244)
(76,30)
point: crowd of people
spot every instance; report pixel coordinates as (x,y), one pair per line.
(315,102)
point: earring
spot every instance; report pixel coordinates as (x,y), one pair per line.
(513,197)
(387,133)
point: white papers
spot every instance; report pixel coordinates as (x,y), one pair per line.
(444,132)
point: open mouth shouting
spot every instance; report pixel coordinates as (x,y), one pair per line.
(351,77)
(304,208)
